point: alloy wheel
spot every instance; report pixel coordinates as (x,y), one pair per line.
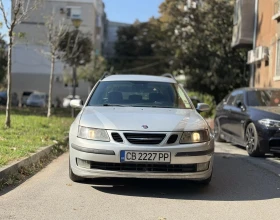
(250,139)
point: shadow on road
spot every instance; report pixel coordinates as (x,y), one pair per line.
(234,179)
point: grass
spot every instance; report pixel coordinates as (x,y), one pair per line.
(30,130)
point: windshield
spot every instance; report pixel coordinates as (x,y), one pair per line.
(36,96)
(139,94)
(26,93)
(264,98)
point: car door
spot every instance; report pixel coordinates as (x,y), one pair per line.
(237,118)
(225,120)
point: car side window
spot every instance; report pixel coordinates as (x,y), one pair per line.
(231,99)
(238,98)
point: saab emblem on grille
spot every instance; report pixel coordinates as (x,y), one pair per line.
(145,126)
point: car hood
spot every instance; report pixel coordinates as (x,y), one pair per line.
(35,100)
(134,119)
(274,110)
(266,112)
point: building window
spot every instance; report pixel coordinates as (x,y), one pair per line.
(236,12)
(73,12)
(277,73)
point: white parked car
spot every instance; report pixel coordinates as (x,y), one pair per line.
(37,99)
(67,99)
(137,126)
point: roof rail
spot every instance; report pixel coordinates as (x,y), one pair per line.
(105,75)
(169,75)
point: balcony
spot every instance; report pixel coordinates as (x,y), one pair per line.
(243,30)
(276,15)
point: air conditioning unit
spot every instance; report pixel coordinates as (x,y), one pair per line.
(266,53)
(76,13)
(261,53)
(251,57)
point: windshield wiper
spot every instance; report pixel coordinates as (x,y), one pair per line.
(158,106)
(118,105)
(152,106)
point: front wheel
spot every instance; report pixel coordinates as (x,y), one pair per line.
(252,141)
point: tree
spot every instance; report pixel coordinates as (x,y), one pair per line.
(93,70)
(200,37)
(3,58)
(135,52)
(76,48)
(19,12)
(55,33)
(191,39)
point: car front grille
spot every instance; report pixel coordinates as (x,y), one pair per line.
(140,167)
(144,138)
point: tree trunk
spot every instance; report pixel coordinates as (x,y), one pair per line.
(9,82)
(51,87)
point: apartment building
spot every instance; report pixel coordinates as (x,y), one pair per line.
(30,65)
(257,28)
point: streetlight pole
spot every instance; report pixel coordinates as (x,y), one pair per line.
(76,23)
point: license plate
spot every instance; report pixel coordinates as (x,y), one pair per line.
(151,157)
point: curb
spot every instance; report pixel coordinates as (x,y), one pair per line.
(43,153)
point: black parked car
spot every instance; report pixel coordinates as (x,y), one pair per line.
(251,118)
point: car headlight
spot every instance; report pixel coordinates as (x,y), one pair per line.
(93,134)
(190,137)
(270,123)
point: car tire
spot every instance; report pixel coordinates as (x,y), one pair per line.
(252,141)
(217,132)
(74,177)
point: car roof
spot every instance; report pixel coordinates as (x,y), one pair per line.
(138,78)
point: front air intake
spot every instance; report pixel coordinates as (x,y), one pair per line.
(172,139)
(117,137)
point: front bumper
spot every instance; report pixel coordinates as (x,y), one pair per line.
(109,152)
(269,139)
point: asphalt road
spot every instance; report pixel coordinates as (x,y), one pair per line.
(242,188)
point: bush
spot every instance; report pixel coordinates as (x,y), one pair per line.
(205,98)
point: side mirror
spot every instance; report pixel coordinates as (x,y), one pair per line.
(195,100)
(202,107)
(240,105)
(76,103)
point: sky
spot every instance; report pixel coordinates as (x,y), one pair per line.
(3,29)
(126,11)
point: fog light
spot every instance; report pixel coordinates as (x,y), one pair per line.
(83,163)
(202,166)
